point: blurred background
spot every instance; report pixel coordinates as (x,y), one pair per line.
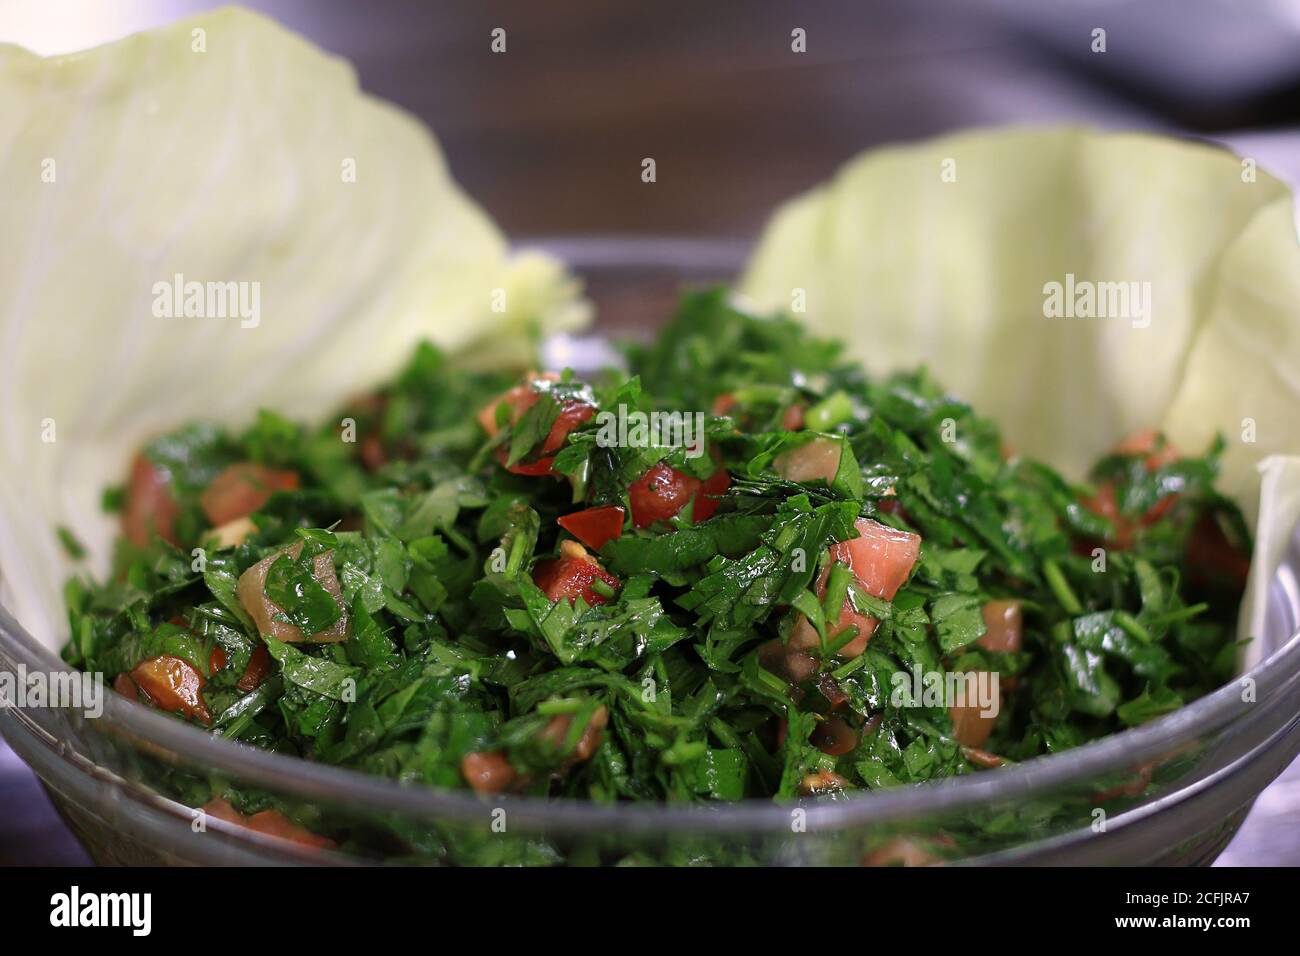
(734,118)
(549,136)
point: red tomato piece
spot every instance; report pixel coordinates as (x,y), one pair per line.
(531,469)
(662,492)
(723,404)
(123,684)
(1105,503)
(819,458)
(519,399)
(970,726)
(487,772)
(571,416)
(276,824)
(149,507)
(259,665)
(594,527)
(221,809)
(1147,442)
(900,851)
(241,489)
(792,418)
(880,558)
(268,822)
(174,685)
(372,452)
(570,578)
(1004,627)
(706,503)
(834,736)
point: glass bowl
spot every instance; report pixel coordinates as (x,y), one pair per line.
(1171,791)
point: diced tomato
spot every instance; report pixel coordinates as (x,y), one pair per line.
(518,399)
(1004,625)
(372,453)
(659,494)
(982,758)
(790,662)
(1157,510)
(819,458)
(556,732)
(834,736)
(487,772)
(123,684)
(268,617)
(241,489)
(276,824)
(890,505)
(881,558)
(1105,503)
(723,404)
(221,809)
(970,726)
(570,578)
(268,822)
(542,466)
(662,492)
(531,469)
(174,685)
(259,665)
(822,782)
(1134,787)
(594,527)
(149,507)
(900,851)
(216,660)
(706,502)
(830,689)
(487,415)
(1147,442)
(233,533)
(521,398)
(1004,633)
(571,416)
